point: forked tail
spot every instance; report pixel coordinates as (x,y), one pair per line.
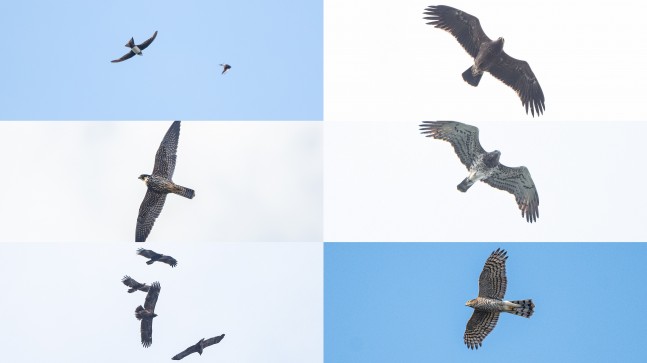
(526,309)
(465,184)
(131,43)
(470,78)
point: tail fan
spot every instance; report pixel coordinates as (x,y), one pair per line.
(526,309)
(465,184)
(185,192)
(470,78)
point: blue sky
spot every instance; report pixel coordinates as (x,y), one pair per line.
(404,302)
(59,67)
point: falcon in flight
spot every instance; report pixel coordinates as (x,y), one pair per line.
(198,347)
(225,67)
(147,313)
(485,166)
(135,49)
(134,285)
(488,56)
(159,183)
(154,256)
(489,303)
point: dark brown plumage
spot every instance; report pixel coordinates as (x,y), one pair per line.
(135,49)
(488,56)
(134,285)
(154,256)
(147,313)
(198,347)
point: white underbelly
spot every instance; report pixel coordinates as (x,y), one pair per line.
(136,50)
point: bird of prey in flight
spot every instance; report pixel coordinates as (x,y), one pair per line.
(198,347)
(488,56)
(489,304)
(135,49)
(154,256)
(134,285)
(225,67)
(147,313)
(485,166)
(160,183)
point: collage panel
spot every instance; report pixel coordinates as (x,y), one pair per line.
(78,181)
(68,300)
(200,60)
(408,302)
(386,181)
(384,61)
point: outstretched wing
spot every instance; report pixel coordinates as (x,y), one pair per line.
(184,353)
(168,260)
(493,282)
(130,282)
(464,27)
(518,75)
(148,42)
(214,340)
(464,138)
(126,56)
(149,210)
(166,154)
(479,326)
(151,297)
(147,332)
(518,182)
(146,253)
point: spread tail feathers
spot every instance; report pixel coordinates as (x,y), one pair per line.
(465,184)
(470,78)
(526,309)
(131,43)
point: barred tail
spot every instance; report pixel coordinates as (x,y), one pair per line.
(465,184)
(526,309)
(472,79)
(185,192)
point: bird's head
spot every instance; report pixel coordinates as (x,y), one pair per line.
(144,177)
(501,40)
(471,303)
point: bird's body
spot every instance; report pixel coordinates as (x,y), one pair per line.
(489,56)
(489,303)
(159,183)
(135,49)
(156,257)
(134,285)
(225,67)
(485,166)
(146,314)
(198,347)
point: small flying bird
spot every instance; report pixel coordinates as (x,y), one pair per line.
(198,347)
(154,256)
(225,67)
(134,285)
(489,303)
(160,183)
(135,49)
(488,56)
(147,313)
(485,166)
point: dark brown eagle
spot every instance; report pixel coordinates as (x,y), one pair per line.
(134,285)
(488,56)
(485,166)
(154,256)
(198,347)
(147,313)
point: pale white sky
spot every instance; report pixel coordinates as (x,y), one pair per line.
(65,302)
(384,181)
(77,181)
(384,63)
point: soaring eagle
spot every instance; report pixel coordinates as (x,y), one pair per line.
(485,166)
(147,313)
(198,347)
(488,56)
(154,256)
(134,285)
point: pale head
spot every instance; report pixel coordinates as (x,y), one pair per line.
(471,303)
